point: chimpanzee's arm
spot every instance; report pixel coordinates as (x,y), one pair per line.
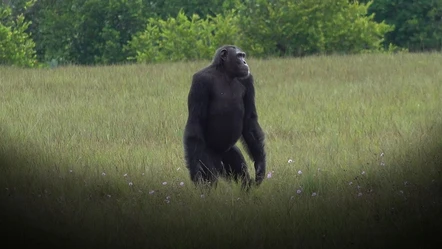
(194,142)
(252,134)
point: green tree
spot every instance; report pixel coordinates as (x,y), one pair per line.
(418,24)
(58,23)
(105,28)
(87,31)
(303,27)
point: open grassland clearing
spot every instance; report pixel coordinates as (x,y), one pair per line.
(94,155)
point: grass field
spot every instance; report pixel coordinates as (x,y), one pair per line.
(93,156)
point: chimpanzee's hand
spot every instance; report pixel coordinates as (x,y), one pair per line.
(260,171)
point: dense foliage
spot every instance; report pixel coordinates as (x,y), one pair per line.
(116,31)
(303,27)
(16,46)
(418,24)
(180,38)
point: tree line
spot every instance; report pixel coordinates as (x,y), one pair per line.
(90,32)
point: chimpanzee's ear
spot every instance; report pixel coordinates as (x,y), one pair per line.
(223,54)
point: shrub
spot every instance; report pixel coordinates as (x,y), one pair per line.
(305,27)
(184,38)
(16,46)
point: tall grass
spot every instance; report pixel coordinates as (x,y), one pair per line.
(94,156)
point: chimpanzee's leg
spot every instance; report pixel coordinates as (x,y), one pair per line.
(235,166)
(208,169)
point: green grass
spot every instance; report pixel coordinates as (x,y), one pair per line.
(334,117)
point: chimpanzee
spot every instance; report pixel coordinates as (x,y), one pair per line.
(221,110)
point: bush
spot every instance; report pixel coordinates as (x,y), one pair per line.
(184,38)
(306,27)
(16,46)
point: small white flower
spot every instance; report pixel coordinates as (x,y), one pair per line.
(314,194)
(151,192)
(363,173)
(131,183)
(382,164)
(181,183)
(269,175)
(167,201)
(298,191)
(299,172)
(103,174)
(125,175)
(350,183)
(70,171)
(167,197)
(202,196)
(382,154)
(164,183)
(359,194)
(109,196)
(290,161)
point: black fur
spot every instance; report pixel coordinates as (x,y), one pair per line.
(221,106)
